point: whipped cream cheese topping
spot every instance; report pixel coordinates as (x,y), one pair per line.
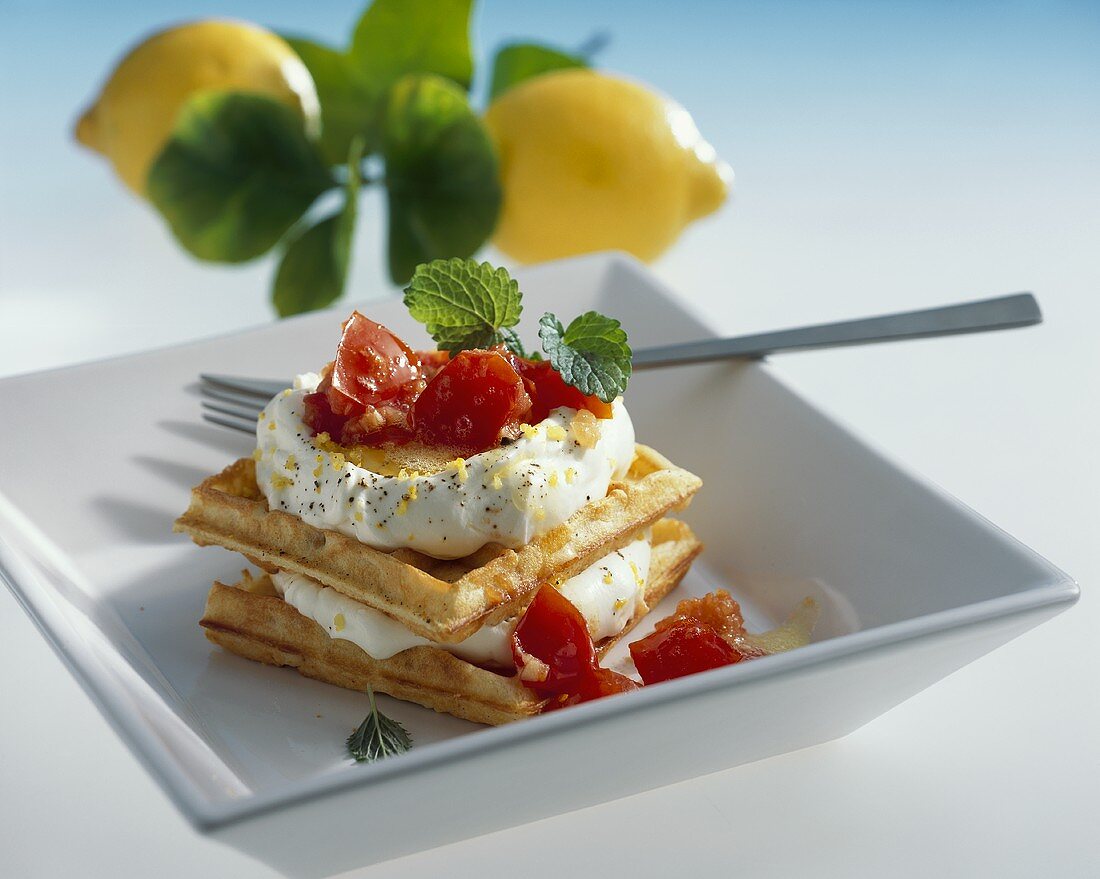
(507,495)
(608,594)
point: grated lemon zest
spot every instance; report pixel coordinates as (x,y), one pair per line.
(555,432)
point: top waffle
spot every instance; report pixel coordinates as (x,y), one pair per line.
(443,601)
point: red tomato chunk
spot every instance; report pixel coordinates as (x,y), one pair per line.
(683,648)
(553,632)
(372,364)
(472,401)
(555,656)
(366,393)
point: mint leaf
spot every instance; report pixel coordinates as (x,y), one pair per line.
(314,267)
(347,99)
(514,343)
(442,183)
(591,353)
(377,736)
(236,174)
(464,304)
(517,62)
(398,37)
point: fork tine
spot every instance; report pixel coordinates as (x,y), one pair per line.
(250,429)
(245,401)
(248,413)
(254,386)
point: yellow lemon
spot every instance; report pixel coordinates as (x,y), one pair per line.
(595,162)
(132,118)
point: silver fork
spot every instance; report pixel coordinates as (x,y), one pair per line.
(236,402)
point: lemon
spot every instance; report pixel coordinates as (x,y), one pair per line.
(133,117)
(596,162)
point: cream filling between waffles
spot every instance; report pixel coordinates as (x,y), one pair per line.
(507,495)
(608,594)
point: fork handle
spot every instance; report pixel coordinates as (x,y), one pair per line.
(1001,313)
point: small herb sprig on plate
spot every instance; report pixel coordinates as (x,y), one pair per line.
(465,304)
(377,736)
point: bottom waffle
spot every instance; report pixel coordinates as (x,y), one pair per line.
(249,619)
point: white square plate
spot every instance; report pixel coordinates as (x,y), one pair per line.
(100,461)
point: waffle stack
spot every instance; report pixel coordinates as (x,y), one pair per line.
(443,601)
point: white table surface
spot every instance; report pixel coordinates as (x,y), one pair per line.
(992,772)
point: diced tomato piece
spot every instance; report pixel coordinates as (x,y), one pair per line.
(372,366)
(553,632)
(555,656)
(370,386)
(683,648)
(717,609)
(548,391)
(470,403)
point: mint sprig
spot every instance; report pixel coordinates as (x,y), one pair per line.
(464,304)
(377,736)
(591,354)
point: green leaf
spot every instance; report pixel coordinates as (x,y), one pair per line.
(399,37)
(314,268)
(348,101)
(464,304)
(514,344)
(377,736)
(591,354)
(236,174)
(442,181)
(521,61)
